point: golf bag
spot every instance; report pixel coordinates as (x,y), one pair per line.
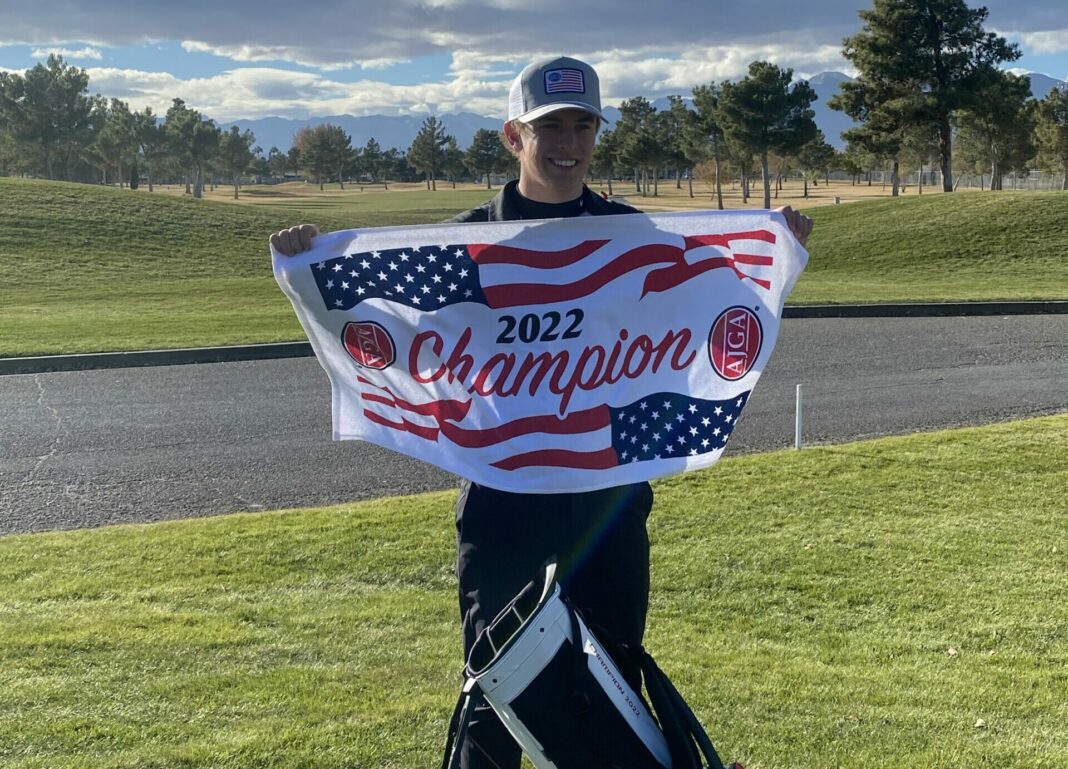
(556,688)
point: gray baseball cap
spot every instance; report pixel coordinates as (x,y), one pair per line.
(551,84)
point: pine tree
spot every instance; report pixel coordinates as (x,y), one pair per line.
(815,157)
(236,154)
(1052,129)
(316,151)
(762,113)
(920,61)
(708,133)
(999,125)
(636,140)
(486,155)
(48,110)
(116,143)
(427,153)
(452,161)
(193,139)
(151,141)
(371,158)
(606,155)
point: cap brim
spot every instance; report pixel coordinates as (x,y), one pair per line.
(546,109)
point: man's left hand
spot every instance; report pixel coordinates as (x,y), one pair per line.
(799,224)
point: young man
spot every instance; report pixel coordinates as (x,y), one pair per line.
(598,538)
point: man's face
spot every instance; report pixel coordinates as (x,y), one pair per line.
(554,154)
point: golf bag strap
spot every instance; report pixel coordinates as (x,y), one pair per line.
(683,731)
(470,697)
(695,728)
(580,701)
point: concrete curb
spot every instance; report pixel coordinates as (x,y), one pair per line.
(924,309)
(137,358)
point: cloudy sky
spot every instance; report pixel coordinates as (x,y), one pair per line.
(243,59)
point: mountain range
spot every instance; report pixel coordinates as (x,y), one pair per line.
(400,131)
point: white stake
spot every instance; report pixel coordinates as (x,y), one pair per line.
(797,418)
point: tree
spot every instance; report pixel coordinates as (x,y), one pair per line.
(636,141)
(762,113)
(116,144)
(48,111)
(339,149)
(637,134)
(999,125)
(918,147)
(11,157)
(855,160)
(931,53)
(293,157)
(393,165)
(151,140)
(1051,130)
(260,168)
(744,162)
(194,140)
(236,154)
(675,131)
(486,155)
(707,131)
(371,159)
(782,164)
(277,163)
(815,157)
(886,110)
(12,150)
(606,155)
(427,153)
(316,151)
(452,161)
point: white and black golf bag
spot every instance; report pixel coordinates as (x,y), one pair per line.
(561,696)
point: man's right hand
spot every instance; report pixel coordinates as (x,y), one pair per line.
(294,240)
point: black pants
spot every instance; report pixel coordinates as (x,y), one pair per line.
(601,546)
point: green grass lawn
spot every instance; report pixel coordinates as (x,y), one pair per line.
(890,603)
(85,268)
(959,247)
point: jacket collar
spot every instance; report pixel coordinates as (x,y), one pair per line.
(505,206)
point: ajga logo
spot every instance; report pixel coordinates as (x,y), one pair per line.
(369,344)
(734,342)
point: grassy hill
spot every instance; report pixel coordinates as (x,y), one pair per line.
(964,246)
(86,268)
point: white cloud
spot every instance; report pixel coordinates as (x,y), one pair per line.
(381,63)
(83,53)
(474,83)
(317,59)
(254,92)
(1054,41)
(638,47)
(628,73)
(375,31)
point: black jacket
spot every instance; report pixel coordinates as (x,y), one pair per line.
(505,206)
(598,537)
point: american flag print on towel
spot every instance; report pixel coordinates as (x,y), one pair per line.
(547,356)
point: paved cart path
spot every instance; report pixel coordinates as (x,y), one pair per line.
(87,448)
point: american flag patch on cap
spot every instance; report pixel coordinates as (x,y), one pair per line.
(564,81)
